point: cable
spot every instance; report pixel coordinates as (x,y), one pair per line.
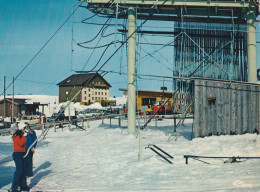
(101,46)
(41,48)
(96,14)
(90,23)
(102,28)
(102,56)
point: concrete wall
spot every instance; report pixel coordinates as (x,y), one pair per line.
(236,109)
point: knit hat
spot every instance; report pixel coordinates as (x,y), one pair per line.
(21,126)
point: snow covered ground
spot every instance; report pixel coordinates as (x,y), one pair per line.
(105,158)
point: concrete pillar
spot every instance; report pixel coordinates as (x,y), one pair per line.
(131,70)
(251,46)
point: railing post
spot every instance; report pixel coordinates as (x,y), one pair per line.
(88,123)
(175,124)
(42,127)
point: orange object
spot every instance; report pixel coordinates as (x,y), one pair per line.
(125,110)
(19,143)
(155,109)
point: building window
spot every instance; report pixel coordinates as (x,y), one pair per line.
(211,101)
(89,95)
(89,90)
(85,98)
(95,93)
(85,92)
(92,98)
(101,93)
(98,93)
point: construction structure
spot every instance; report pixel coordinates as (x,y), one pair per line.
(213,39)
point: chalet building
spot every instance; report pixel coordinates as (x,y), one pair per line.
(20,107)
(94,88)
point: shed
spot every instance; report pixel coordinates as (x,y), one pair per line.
(225,107)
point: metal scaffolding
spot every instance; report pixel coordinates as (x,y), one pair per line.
(213,38)
(219,51)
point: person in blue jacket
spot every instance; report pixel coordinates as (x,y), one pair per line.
(31,137)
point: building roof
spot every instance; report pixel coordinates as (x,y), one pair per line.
(80,79)
(16,101)
(149,91)
(22,101)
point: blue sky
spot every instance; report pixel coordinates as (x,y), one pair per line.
(25,26)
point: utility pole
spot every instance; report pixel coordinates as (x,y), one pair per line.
(131,71)
(251,45)
(12,120)
(4,97)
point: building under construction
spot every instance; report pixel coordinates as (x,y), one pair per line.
(215,41)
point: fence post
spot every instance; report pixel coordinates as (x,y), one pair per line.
(156,122)
(110,122)
(82,122)
(54,127)
(88,123)
(119,122)
(42,127)
(175,124)
(102,118)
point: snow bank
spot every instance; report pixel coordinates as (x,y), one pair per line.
(105,158)
(119,100)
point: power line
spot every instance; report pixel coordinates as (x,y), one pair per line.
(41,48)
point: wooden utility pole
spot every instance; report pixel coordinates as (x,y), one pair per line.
(4,98)
(12,120)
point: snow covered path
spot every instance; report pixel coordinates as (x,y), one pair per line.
(106,159)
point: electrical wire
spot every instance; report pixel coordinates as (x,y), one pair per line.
(102,28)
(42,48)
(102,55)
(101,46)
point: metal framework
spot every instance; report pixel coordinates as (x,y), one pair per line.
(209,50)
(173,10)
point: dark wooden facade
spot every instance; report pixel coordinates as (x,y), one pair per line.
(20,106)
(226,107)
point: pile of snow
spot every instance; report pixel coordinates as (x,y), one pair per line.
(78,107)
(105,158)
(120,101)
(95,106)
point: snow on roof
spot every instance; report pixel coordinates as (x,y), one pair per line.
(30,99)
